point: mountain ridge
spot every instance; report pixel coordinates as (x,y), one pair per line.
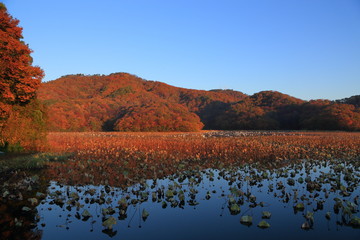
(126,102)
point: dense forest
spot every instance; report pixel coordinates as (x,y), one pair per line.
(125,102)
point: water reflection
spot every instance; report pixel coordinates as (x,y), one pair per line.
(20,196)
(294,199)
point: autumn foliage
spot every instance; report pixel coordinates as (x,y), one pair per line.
(19,81)
(158,117)
(125,102)
(274,110)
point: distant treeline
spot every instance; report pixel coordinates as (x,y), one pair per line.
(125,102)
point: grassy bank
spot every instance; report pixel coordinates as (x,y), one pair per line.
(22,161)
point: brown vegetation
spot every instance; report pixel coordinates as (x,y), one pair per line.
(110,156)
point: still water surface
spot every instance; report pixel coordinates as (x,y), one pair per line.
(209,203)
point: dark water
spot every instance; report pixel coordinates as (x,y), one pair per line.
(201,204)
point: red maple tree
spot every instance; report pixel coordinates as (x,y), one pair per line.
(19,80)
(21,115)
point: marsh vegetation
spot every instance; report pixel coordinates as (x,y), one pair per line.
(187,185)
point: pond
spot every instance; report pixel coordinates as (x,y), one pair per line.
(298,199)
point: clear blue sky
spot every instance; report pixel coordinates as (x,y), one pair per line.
(309,49)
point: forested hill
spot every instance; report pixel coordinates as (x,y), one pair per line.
(125,102)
